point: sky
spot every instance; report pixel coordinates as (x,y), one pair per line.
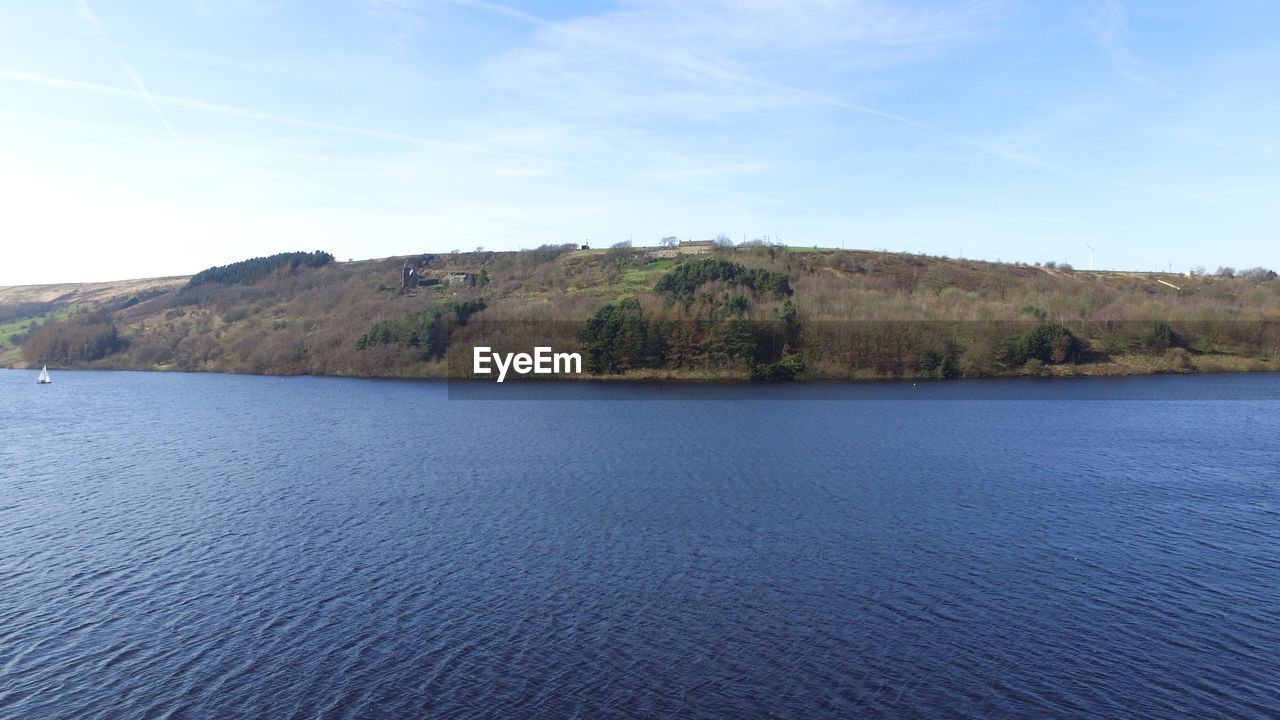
(144,138)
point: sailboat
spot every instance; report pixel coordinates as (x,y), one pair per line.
(44,376)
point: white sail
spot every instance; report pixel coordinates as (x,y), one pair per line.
(44,376)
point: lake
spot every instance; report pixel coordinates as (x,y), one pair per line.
(214,546)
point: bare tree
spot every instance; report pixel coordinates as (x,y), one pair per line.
(1258,273)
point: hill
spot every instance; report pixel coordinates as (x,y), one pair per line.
(703,312)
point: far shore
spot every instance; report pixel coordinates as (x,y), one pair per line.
(655,377)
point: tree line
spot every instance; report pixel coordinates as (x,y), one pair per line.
(83,338)
(248,272)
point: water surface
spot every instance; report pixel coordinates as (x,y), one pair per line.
(214,546)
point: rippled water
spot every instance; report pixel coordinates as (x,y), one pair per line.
(214,546)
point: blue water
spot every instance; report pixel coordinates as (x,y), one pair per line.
(210,546)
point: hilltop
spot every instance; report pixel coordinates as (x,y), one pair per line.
(694,311)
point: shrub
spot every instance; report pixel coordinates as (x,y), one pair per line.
(1035,312)
(465,309)
(235,315)
(929,363)
(1049,344)
(1179,359)
(979,358)
(1160,337)
(786,368)
(547,253)
(936,365)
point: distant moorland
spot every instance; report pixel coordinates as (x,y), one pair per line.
(697,311)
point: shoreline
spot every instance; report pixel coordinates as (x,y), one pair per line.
(684,379)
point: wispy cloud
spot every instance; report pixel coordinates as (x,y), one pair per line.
(702,61)
(498,8)
(507,122)
(213,108)
(1109,26)
(988,147)
(86,12)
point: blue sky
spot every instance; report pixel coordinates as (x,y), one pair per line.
(158,137)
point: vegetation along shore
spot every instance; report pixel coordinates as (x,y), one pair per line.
(697,311)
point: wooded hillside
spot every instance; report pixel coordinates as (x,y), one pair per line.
(763,312)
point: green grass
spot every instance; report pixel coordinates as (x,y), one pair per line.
(648,273)
(20,325)
(630,281)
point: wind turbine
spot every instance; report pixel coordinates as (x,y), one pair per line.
(1090,256)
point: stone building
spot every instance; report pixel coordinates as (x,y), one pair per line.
(696,247)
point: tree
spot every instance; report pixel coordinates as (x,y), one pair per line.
(1033,311)
(929,363)
(83,338)
(733,341)
(1051,344)
(1160,337)
(617,338)
(683,281)
(790,323)
(619,251)
(934,365)
(427,331)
